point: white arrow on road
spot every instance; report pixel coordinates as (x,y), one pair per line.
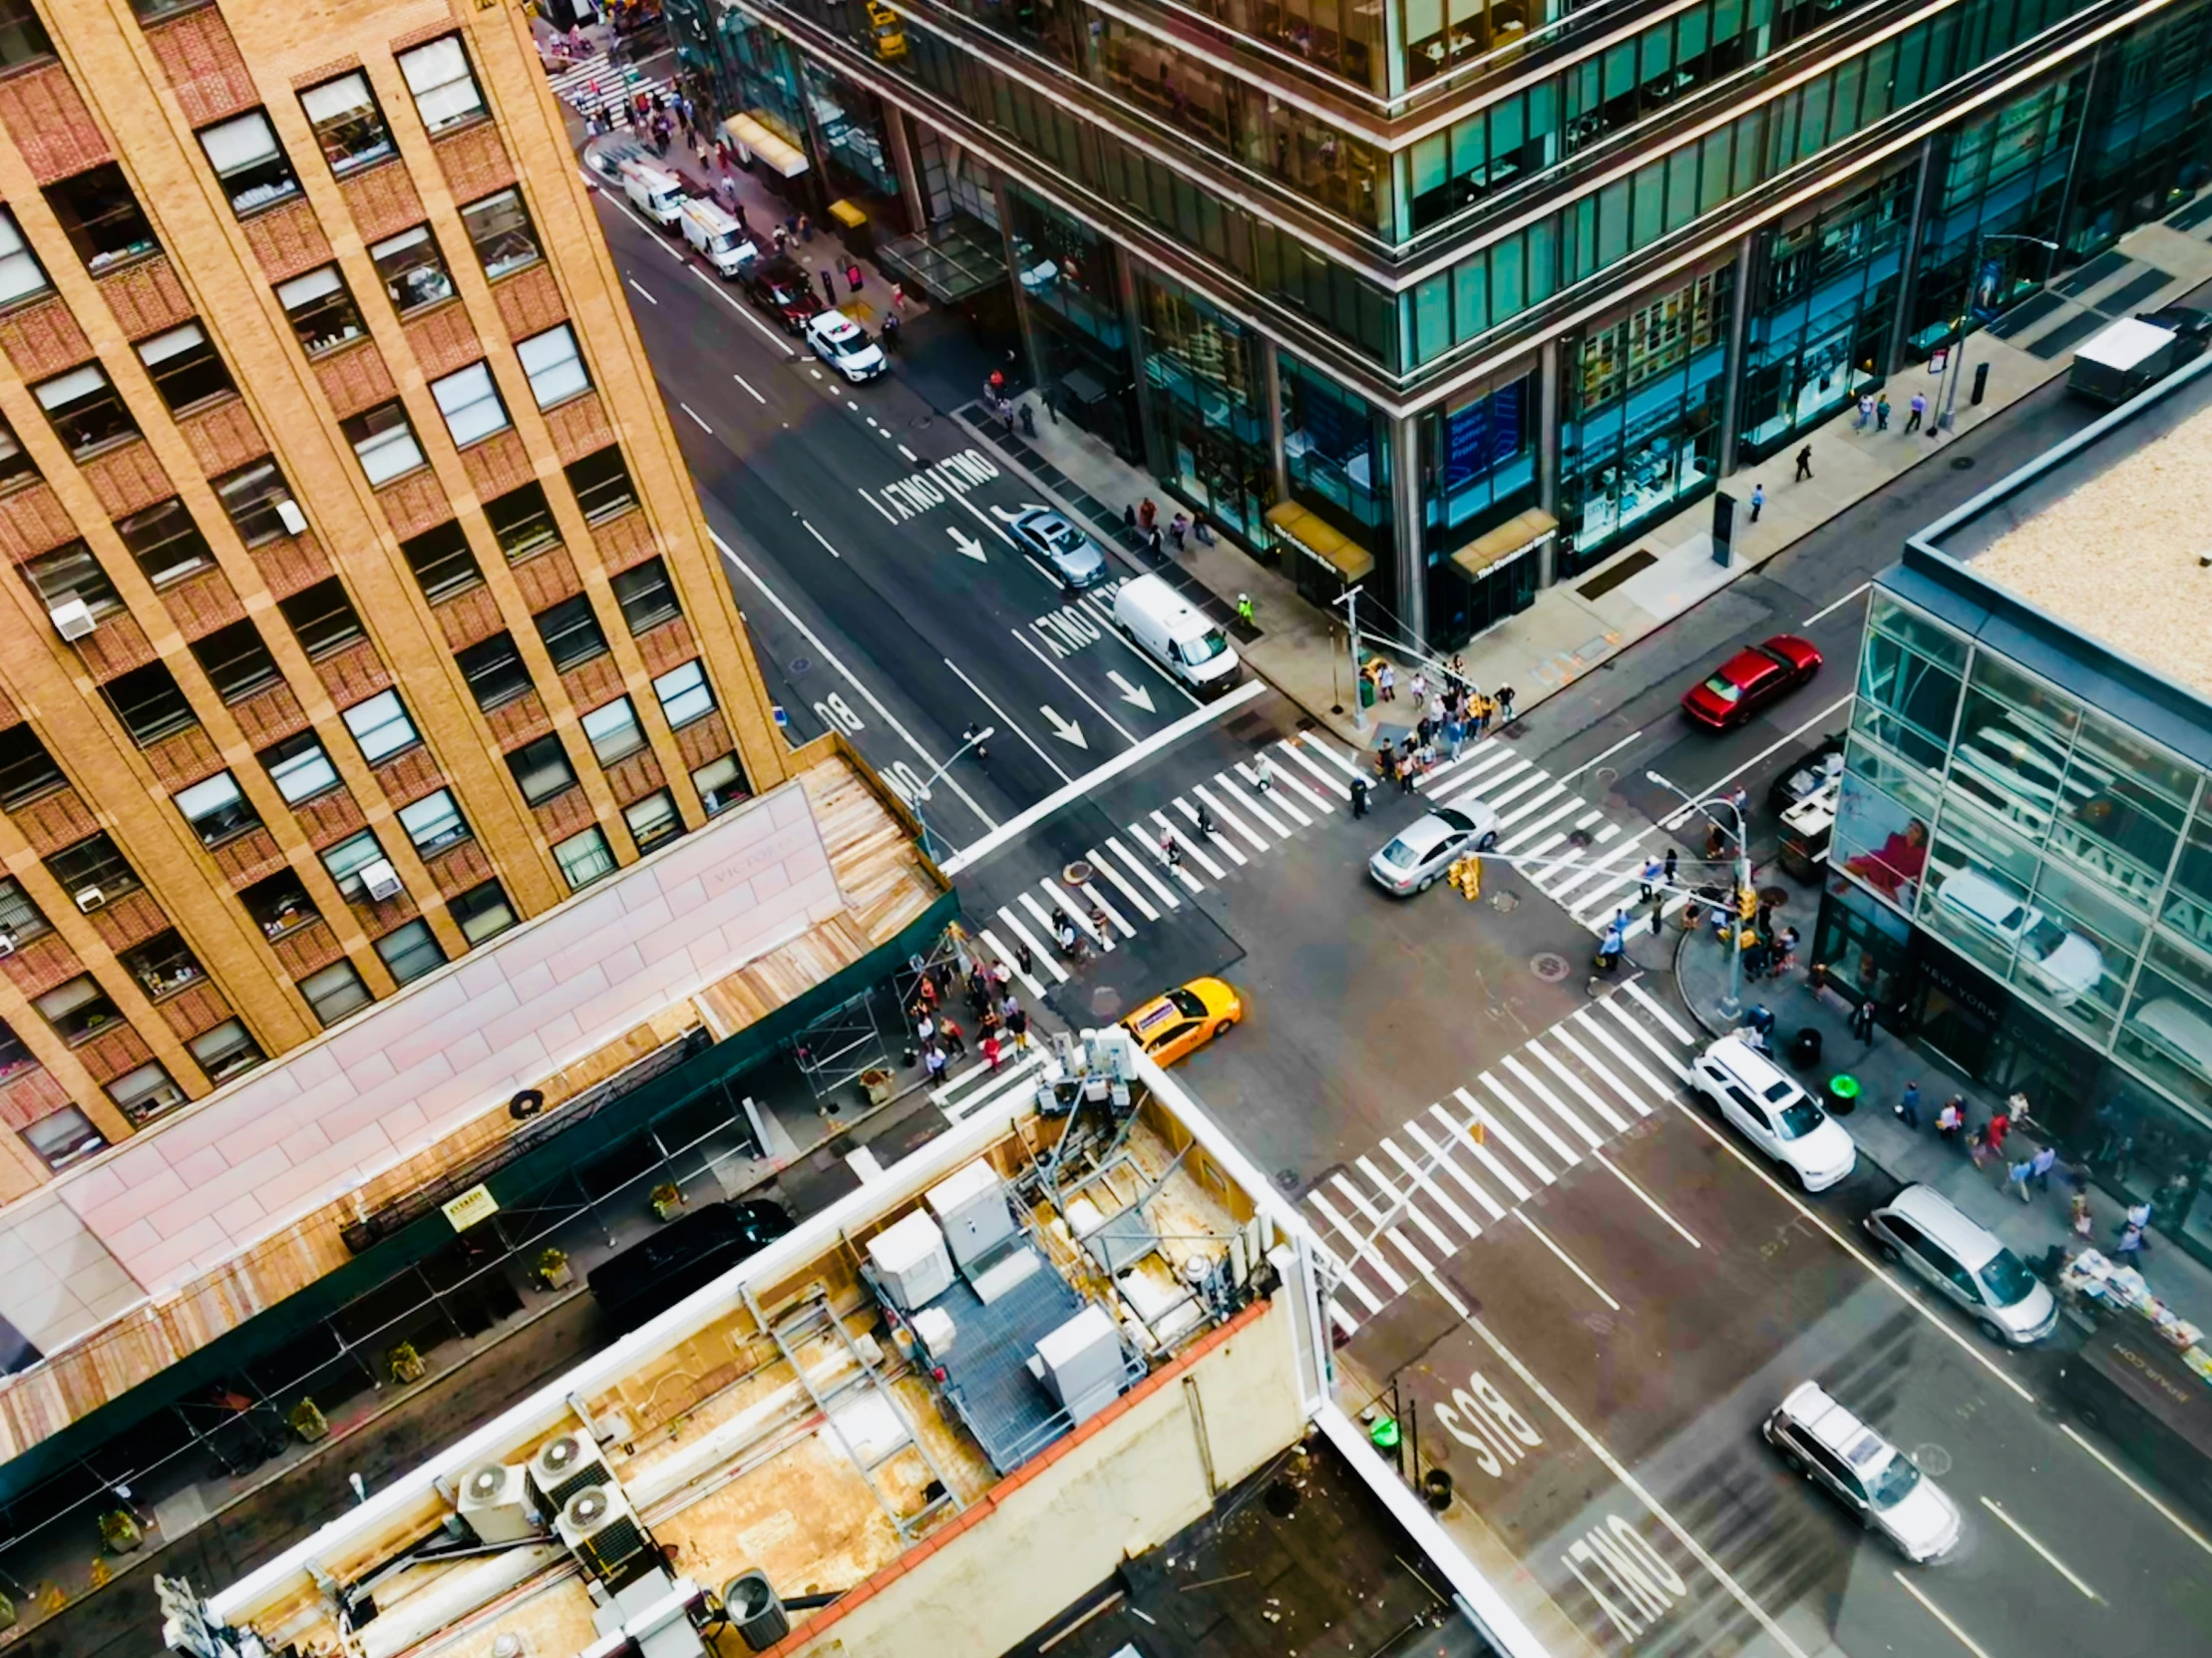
(1006,514)
(1065,730)
(1136,694)
(966,542)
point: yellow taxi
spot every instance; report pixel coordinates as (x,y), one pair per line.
(1186,1020)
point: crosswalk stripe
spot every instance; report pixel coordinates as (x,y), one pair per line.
(1222,842)
(1038,952)
(1349,1279)
(1536,778)
(1234,820)
(1538,858)
(1559,1034)
(1635,1065)
(1635,1029)
(1190,848)
(1251,803)
(1323,804)
(1121,924)
(1344,1321)
(1435,1192)
(1498,1167)
(1599,874)
(1667,1020)
(1543,1130)
(1470,783)
(1074,912)
(1281,791)
(1332,785)
(1590,1097)
(991,942)
(1412,1210)
(1601,902)
(1527,808)
(1361,1249)
(1495,1128)
(1358,1199)
(1442,1154)
(1328,750)
(1558,1106)
(1475,759)
(1136,899)
(1143,873)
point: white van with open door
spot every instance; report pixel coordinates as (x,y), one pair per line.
(715,238)
(1172,631)
(657,194)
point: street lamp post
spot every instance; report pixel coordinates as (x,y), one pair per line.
(1954,368)
(922,792)
(1351,629)
(1732,1004)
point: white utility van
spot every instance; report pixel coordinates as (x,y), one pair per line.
(1180,637)
(715,237)
(2123,359)
(652,193)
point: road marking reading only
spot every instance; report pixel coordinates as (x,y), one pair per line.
(919,492)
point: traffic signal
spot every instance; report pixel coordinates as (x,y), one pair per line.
(1466,876)
(1747,902)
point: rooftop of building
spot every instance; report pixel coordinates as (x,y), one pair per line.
(808,1415)
(2093,563)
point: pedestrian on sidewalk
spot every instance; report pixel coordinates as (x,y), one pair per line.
(1244,607)
(1951,1119)
(1919,411)
(1408,771)
(853,274)
(1659,911)
(1505,705)
(889,332)
(1206,539)
(1866,413)
(1386,683)
(2040,1166)
(924,1028)
(1151,537)
(2016,1179)
(1758,500)
(935,1062)
(2078,1219)
(1359,797)
(1419,687)
(1804,464)
(806,229)
(1908,1107)
(2000,1126)
(955,1039)
(897,299)
(1001,976)
(1148,511)
(829,287)
(1026,958)
(1651,875)
(2129,1250)
(1178,528)
(1862,1023)
(1882,413)
(1674,856)
(783,239)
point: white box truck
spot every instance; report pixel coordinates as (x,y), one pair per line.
(657,194)
(2115,363)
(715,237)
(1172,631)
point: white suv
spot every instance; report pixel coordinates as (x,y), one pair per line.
(1879,1483)
(1774,1113)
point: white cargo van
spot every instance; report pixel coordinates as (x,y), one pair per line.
(2123,359)
(714,234)
(652,193)
(1180,637)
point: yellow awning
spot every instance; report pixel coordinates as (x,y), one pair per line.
(1318,540)
(754,135)
(1517,535)
(847,214)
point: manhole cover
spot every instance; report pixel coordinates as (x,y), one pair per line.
(1077,874)
(801,664)
(1962,462)
(1549,967)
(1287,1178)
(1933,1461)
(1105,1000)
(1505,903)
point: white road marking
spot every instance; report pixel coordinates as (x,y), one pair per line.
(1493,1130)
(991,939)
(1442,1154)
(2111,1468)
(1411,1210)
(1837,606)
(1650,1202)
(1598,1031)
(1362,1249)
(1346,1278)
(1030,902)
(694,414)
(2020,1531)
(1078,915)
(1435,1192)
(1223,814)
(1558,1033)
(1566,1260)
(641,294)
(1335,786)
(1251,803)
(869,497)
(1143,873)
(911,457)
(1038,952)
(824,540)
(1535,1084)
(1320,746)
(1666,1020)
(1566,1153)
(748,385)
(850,678)
(1605,1113)
(1072,686)
(1645,1037)
(1220,842)
(1568,777)
(1398,1240)
(1130,895)
(961,858)
(1681,814)
(1939,1615)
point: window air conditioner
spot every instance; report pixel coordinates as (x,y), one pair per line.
(72,619)
(7,942)
(90,899)
(381,880)
(290,515)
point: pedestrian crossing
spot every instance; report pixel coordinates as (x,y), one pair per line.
(1422,1194)
(969,1092)
(598,83)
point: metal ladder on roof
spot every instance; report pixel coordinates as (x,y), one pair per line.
(812,1317)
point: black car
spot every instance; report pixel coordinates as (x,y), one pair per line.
(779,286)
(648,1278)
(2191,327)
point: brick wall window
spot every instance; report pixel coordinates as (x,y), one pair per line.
(483,912)
(383,441)
(20,919)
(15,1059)
(434,823)
(381,726)
(22,36)
(86,410)
(647,596)
(237,662)
(555,365)
(226,1051)
(150,703)
(321,309)
(684,694)
(411,951)
(149,10)
(322,617)
(93,865)
(347,123)
(77,1010)
(583,858)
(252,167)
(15,468)
(300,767)
(187,368)
(522,522)
(279,905)
(571,633)
(443,565)
(166,543)
(335,992)
(27,770)
(21,276)
(218,809)
(470,404)
(164,965)
(653,819)
(495,670)
(147,1093)
(250,495)
(721,784)
(500,230)
(602,484)
(101,217)
(446,93)
(71,572)
(347,860)
(542,769)
(66,1136)
(613,731)
(413,270)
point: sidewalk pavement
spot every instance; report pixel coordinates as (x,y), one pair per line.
(1908,1155)
(1301,650)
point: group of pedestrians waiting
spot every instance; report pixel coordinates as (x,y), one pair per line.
(1002,1023)
(1450,716)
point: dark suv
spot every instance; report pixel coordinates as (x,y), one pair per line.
(779,286)
(648,1278)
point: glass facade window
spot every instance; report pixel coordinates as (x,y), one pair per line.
(613,731)
(522,523)
(445,91)
(495,670)
(162,965)
(335,992)
(77,1010)
(721,784)
(584,858)
(571,633)
(299,767)
(21,276)
(483,912)
(413,270)
(542,769)
(1337,451)
(647,596)
(434,823)
(602,484)
(1201,381)
(27,770)
(411,951)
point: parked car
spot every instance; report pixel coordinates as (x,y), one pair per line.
(1924,1232)
(1186,1018)
(2191,328)
(845,345)
(1073,558)
(687,1254)
(1750,680)
(1881,1486)
(781,288)
(1807,776)
(1425,848)
(1771,1111)
(2063,963)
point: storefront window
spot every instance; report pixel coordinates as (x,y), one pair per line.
(1201,380)
(1862,946)
(1068,283)
(1338,452)
(1882,834)
(2076,949)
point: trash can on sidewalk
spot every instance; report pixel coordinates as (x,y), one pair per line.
(1804,1048)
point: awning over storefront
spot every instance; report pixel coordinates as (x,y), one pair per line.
(751,133)
(951,262)
(1522,532)
(1320,541)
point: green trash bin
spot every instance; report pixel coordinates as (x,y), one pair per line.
(1843,1095)
(1366,690)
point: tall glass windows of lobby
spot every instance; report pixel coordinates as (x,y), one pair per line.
(1479,469)
(1643,430)
(1825,295)
(1201,382)
(1338,452)
(1067,281)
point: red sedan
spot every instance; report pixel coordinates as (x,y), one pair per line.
(1751,679)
